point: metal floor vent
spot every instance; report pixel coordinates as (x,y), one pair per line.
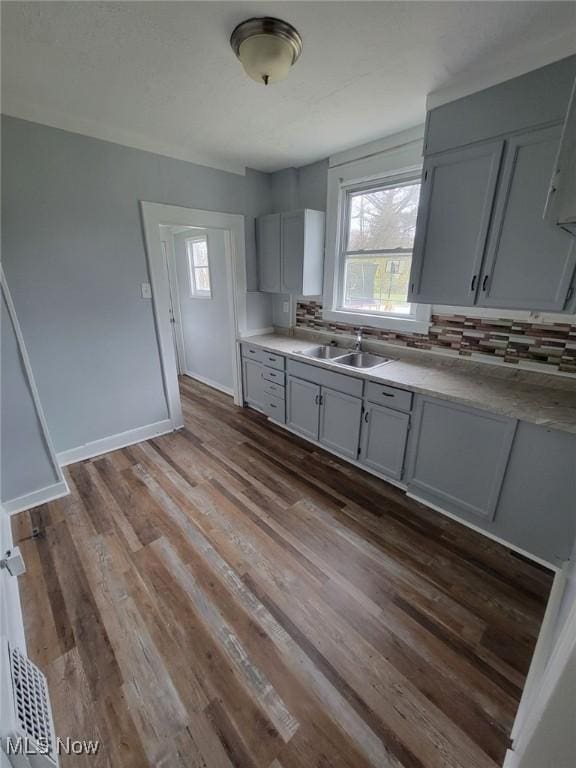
(29,733)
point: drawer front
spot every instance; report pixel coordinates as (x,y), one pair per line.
(391,397)
(270,374)
(340,382)
(253,353)
(271,388)
(275,408)
(273,361)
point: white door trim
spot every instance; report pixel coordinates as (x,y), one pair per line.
(153,216)
(60,487)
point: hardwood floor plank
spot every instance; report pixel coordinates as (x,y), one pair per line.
(231,595)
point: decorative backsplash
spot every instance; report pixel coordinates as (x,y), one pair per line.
(511,341)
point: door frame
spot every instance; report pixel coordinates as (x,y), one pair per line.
(153,216)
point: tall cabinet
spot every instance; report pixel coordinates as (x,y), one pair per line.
(291,252)
(481,236)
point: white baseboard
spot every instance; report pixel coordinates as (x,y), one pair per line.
(34,499)
(210,383)
(114,442)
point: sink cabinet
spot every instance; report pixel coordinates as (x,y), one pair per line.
(340,417)
(303,407)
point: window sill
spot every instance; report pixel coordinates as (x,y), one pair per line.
(413,324)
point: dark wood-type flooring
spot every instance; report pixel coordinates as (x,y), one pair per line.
(230,595)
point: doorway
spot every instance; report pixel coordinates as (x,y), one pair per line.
(198,280)
(200,311)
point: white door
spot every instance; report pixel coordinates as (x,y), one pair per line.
(203,289)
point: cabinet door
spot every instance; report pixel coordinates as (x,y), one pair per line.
(303,407)
(268,243)
(529,263)
(458,190)
(253,383)
(340,417)
(561,202)
(458,457)
(384,434)
(292,251)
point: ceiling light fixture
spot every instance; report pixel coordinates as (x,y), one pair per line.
(267,48)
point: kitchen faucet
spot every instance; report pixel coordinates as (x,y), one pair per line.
(358,343)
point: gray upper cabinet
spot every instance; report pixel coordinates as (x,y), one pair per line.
(529,263)
(303,407)
(481,236)
(340,417)
(561,201)
(458,190)
(458,457)
(291,252)
(383,443)
(268,235)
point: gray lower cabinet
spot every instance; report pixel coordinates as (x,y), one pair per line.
(536,506)
(458,457)
(254,389)
(303,407)
(383,442)
(528,263)
(340,417)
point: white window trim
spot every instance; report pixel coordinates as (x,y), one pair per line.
(195,292)
(394,162)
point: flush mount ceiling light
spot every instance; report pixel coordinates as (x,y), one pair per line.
(267,48)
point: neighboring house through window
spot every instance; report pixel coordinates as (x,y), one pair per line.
(199,266)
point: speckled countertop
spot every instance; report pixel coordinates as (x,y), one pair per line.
(540,398)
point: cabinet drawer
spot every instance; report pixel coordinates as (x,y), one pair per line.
(273,361)
(253,353)
(272,375)
(271,388)
(341,382)
(391,397)
(275,408)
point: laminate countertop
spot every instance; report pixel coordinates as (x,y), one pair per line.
(539,398)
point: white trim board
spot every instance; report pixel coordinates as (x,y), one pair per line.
(34,499)
(114,442)
(154,215)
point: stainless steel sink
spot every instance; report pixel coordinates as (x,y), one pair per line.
(361,360)
(324,352)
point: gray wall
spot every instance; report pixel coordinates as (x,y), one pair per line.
(294,188)
(25,461)
(74,256)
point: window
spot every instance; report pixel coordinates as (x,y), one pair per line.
(198,267)
(378,226)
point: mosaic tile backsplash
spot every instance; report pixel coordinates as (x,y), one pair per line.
(511,341)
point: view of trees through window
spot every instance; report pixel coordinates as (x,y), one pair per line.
(378,255)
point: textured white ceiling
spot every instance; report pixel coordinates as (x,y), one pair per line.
(161,75)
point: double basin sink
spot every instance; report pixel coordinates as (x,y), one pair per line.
(361,360)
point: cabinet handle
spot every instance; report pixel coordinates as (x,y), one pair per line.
(366,416)
(252,351)
(485,282)
(317,400)
(272,359)
(387,394)
(473,284)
